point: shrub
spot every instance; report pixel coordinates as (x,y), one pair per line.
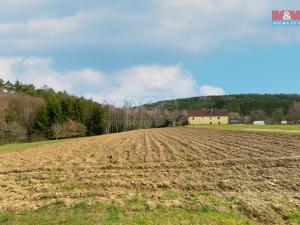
(11,132)
(69,129)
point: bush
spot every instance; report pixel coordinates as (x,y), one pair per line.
(69,129)
(11,132)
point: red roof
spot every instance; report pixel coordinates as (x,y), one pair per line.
(208,112)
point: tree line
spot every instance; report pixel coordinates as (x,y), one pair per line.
(28,113)
(245,107)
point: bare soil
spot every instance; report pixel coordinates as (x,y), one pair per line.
(258,173)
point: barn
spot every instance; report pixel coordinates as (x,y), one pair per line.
(208,116)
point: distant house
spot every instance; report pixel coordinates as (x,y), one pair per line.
(235,122)
(208,116)
(294,122)
(259,122)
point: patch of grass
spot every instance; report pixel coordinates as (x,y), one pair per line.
(280,128)
(23,178)
(24,146)
(294,217)
(83,214)
(188,216)
(113,216)
(206,209)
(71,187)
(171,195)
(6,217)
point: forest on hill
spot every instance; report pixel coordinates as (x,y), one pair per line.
(28,113)
(248,107)
(242,103)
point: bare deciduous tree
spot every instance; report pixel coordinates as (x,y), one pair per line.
(294,111)
(56,130)
(26,109)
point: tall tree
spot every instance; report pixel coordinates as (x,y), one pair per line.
(277,116)
(42,123)
(26,108)
(294,111)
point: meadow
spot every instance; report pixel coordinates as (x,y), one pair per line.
(23,146)
(248,127)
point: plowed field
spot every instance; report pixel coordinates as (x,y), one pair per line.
(258,173)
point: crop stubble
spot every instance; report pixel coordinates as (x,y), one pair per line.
(255,167)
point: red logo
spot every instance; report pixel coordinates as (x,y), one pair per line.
(286,15)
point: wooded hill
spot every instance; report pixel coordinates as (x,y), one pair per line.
(28,113)
(243,103)
(274,107)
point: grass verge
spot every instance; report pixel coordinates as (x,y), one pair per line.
(294,217)
(83,214)
(24,146)
(279,128)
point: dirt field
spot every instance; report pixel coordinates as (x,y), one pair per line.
(256,173)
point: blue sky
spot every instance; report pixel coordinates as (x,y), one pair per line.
(149,50)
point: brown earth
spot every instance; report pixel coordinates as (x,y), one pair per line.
(257,173)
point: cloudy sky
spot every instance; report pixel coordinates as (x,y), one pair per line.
(149,50)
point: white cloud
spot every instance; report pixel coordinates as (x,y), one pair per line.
(150,83)
(190,25)
(32,70)
(47,33)
(6,65)
(39,72)
(197,25)
(207,90)
(87,76)
(139,84)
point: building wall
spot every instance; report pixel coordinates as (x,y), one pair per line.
(208,120)
(259,122)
